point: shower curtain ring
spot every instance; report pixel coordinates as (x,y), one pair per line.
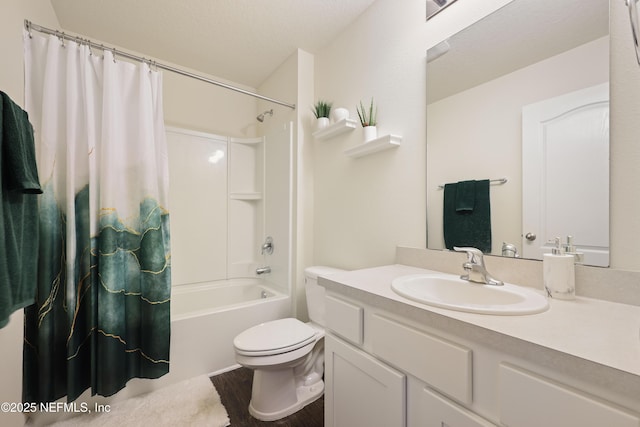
(60,37)
(27,24)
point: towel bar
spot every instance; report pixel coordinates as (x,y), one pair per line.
(497,181)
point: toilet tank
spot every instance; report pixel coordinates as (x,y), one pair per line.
(315,293)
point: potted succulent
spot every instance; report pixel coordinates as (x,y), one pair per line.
(321,110)
(368,120)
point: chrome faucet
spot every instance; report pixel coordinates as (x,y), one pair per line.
(263,270)
(476,271)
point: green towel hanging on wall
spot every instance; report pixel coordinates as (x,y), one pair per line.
(19,186)
(467,215)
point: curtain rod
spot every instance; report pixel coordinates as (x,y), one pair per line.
(61,35)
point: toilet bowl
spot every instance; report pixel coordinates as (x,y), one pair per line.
(287,356)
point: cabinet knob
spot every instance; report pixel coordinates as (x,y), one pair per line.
(530,237)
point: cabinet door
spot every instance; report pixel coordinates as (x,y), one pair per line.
(530,400)
(427,408)
(360,390)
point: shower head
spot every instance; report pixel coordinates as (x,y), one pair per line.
(260,117)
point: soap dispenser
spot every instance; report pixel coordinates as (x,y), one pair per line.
(558,271)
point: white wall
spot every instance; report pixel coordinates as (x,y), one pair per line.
(364,207)
(468,140)
(201,106)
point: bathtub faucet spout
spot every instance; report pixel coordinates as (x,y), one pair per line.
(263,270)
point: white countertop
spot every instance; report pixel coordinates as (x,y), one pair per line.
(599,331)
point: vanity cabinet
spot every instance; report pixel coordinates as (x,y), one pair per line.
(383,368)
(440,363)
(427,408)
(361,390)
(530,400)
(373,377)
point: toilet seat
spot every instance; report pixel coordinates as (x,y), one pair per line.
(274,337)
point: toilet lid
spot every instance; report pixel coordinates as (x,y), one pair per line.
(277,336)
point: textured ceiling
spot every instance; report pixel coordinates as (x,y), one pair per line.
(243,41)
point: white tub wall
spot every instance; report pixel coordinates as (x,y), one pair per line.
(198,193)
(216,230)
(293,82)
(246,217)
(277,205)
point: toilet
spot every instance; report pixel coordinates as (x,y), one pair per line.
(287,356)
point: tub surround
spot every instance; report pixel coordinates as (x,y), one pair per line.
(590,345)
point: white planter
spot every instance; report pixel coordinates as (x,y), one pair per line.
(322,122)
(338,114)
(370,133)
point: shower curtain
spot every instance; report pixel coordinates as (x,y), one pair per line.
(102,308)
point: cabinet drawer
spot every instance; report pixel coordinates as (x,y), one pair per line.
(442,364)
(344,318)
(529,400)
(430,409)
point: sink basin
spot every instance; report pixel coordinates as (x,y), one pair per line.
(451,292)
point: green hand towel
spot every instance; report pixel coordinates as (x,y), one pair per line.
(19,186)
(465,196)
(470,228)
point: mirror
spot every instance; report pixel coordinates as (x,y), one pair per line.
(481,81)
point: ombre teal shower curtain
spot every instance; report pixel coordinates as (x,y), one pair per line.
(102,308)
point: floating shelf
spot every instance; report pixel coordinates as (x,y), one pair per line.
(245,196)
(383,143)
(344,125)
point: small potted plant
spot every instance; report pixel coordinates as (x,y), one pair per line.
(368,120)
(321,110)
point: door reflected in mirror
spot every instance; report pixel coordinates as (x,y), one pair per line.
(526,53)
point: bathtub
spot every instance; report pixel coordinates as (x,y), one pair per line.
(188,301)
(205,317)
